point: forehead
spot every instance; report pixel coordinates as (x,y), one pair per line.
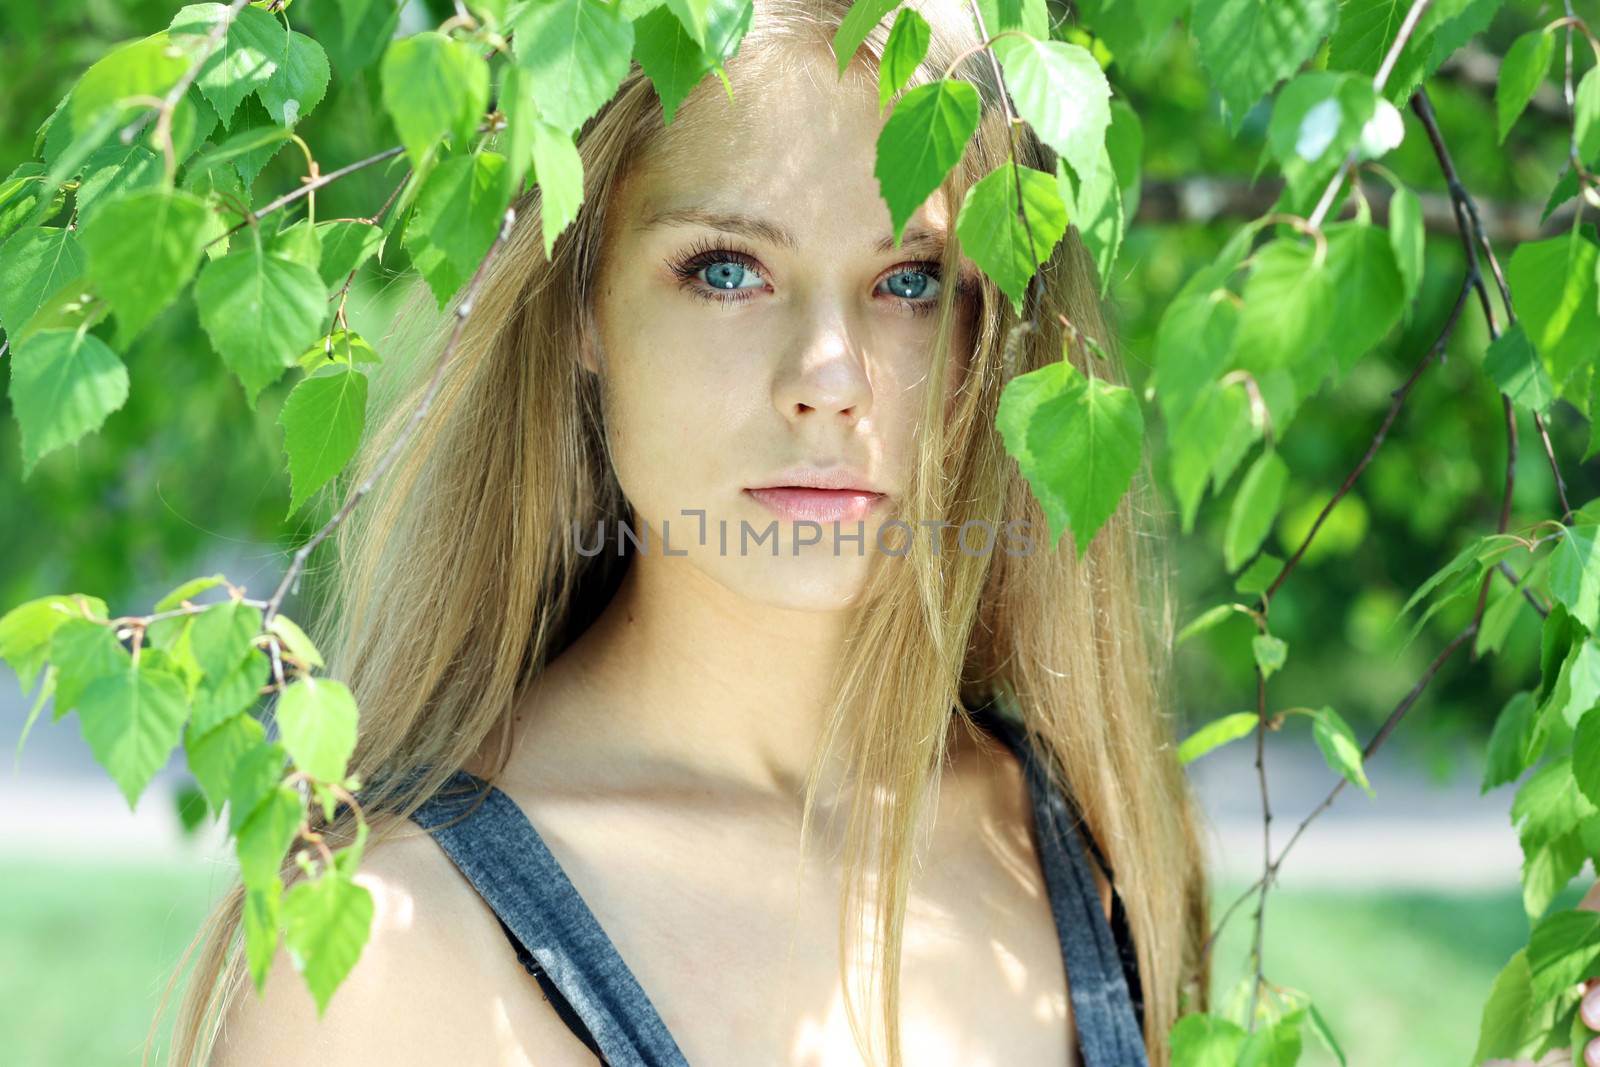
(791,154)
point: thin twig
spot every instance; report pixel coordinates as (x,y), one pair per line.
(1381,78)
(310,187)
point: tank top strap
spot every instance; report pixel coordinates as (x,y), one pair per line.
(1100,970)
(497,849)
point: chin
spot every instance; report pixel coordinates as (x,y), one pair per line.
(815,580)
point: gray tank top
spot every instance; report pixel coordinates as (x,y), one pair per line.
(560,942)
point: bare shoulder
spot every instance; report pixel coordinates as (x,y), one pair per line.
(438,982)
(987,765)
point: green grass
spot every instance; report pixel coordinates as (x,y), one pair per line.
(86,948)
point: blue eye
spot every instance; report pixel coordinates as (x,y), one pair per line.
(725,274)
(912,284)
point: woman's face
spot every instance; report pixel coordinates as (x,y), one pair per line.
(753,322)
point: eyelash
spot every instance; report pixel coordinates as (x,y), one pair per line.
(706,251)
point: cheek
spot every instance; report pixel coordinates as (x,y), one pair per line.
(676,390)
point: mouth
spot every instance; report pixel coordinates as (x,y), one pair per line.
(818,505)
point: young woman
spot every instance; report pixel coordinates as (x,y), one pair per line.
(872,799)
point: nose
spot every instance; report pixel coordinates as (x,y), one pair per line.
(826,372)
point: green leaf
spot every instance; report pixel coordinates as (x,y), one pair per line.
(1206,1041)
(1575,574)
(131,721)
(433,87)
(341,347)
(457,216)
(671,59)
(1407,239)
(266,835)
(63,385)
(1508,1015)
(1062,93)
(147,67)
(35,262)
(1274,1045)
(1562,950)
(1270,653)
(322,420)
(1365,34)
(1255,506)
(317,719)
(1217,732)
(295,640)
(142,249)
(1339,746)
(251,50)
(1586,117)
(222,637)
(1006,241)
(188,591)
(1260,575)
(26,630)
(902,53)
(858,22)
(84,651)
(1515,369)
(693,16)
(1524,69)
(258,772)
(1208,443)
(1368,290)
(1206,620)
(262,906)
(1193,340)
(1077,440)
(1553,291)
(243,143)
(214,754)
(1514,743)
(299,82)
(346,244)
(300,242)
(1248,46)
(560,171)
(1289,302)
(1316,121)
(576,53)
(20,194)
(328,922)
(1094,204)
(1586,755)
(113,171)
(252,116)
(923,139)
(260,311)
(238,690)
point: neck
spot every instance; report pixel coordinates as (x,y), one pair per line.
(688,682)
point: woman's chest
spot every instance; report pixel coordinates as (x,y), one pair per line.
(736,943)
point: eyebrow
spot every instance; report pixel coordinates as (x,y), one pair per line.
(916,239)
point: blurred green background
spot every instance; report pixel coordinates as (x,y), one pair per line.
(85,945)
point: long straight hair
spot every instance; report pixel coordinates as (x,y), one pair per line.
(455,582)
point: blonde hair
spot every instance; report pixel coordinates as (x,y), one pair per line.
(466,535)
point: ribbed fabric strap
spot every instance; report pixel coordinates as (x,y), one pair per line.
(512,868)
(1108,1033)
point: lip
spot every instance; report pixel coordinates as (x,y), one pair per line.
(818,505)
